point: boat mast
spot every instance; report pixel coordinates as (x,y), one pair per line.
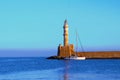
(78,39)
(76,43)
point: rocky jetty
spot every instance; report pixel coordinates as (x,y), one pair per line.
(55,57)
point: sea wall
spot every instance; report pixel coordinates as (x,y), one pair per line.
(102,54)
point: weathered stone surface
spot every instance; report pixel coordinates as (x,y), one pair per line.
(100,54)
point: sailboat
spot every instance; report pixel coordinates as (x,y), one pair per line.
(75,57)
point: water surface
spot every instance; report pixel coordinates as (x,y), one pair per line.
(43,69)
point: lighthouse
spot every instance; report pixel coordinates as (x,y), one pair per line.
(67,49)
(66,38)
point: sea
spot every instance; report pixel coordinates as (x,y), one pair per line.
(40,68)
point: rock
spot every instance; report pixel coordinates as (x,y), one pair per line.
(55,57)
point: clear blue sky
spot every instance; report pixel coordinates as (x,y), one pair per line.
(38,24)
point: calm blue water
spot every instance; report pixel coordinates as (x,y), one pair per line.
(43,69)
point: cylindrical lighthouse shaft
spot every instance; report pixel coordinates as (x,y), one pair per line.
(66,39)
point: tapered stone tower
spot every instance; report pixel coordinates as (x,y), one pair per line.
(67,49)
(65,35)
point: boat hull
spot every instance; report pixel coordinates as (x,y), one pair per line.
(76,58)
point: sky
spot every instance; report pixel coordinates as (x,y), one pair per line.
(38,24)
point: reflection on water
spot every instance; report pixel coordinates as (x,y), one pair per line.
(91,70)
(66,75)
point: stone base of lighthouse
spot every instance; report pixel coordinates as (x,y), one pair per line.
(66,51)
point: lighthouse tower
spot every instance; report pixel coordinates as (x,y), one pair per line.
(67,49)
(66,39)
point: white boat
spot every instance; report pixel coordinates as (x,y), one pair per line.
(76,58)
